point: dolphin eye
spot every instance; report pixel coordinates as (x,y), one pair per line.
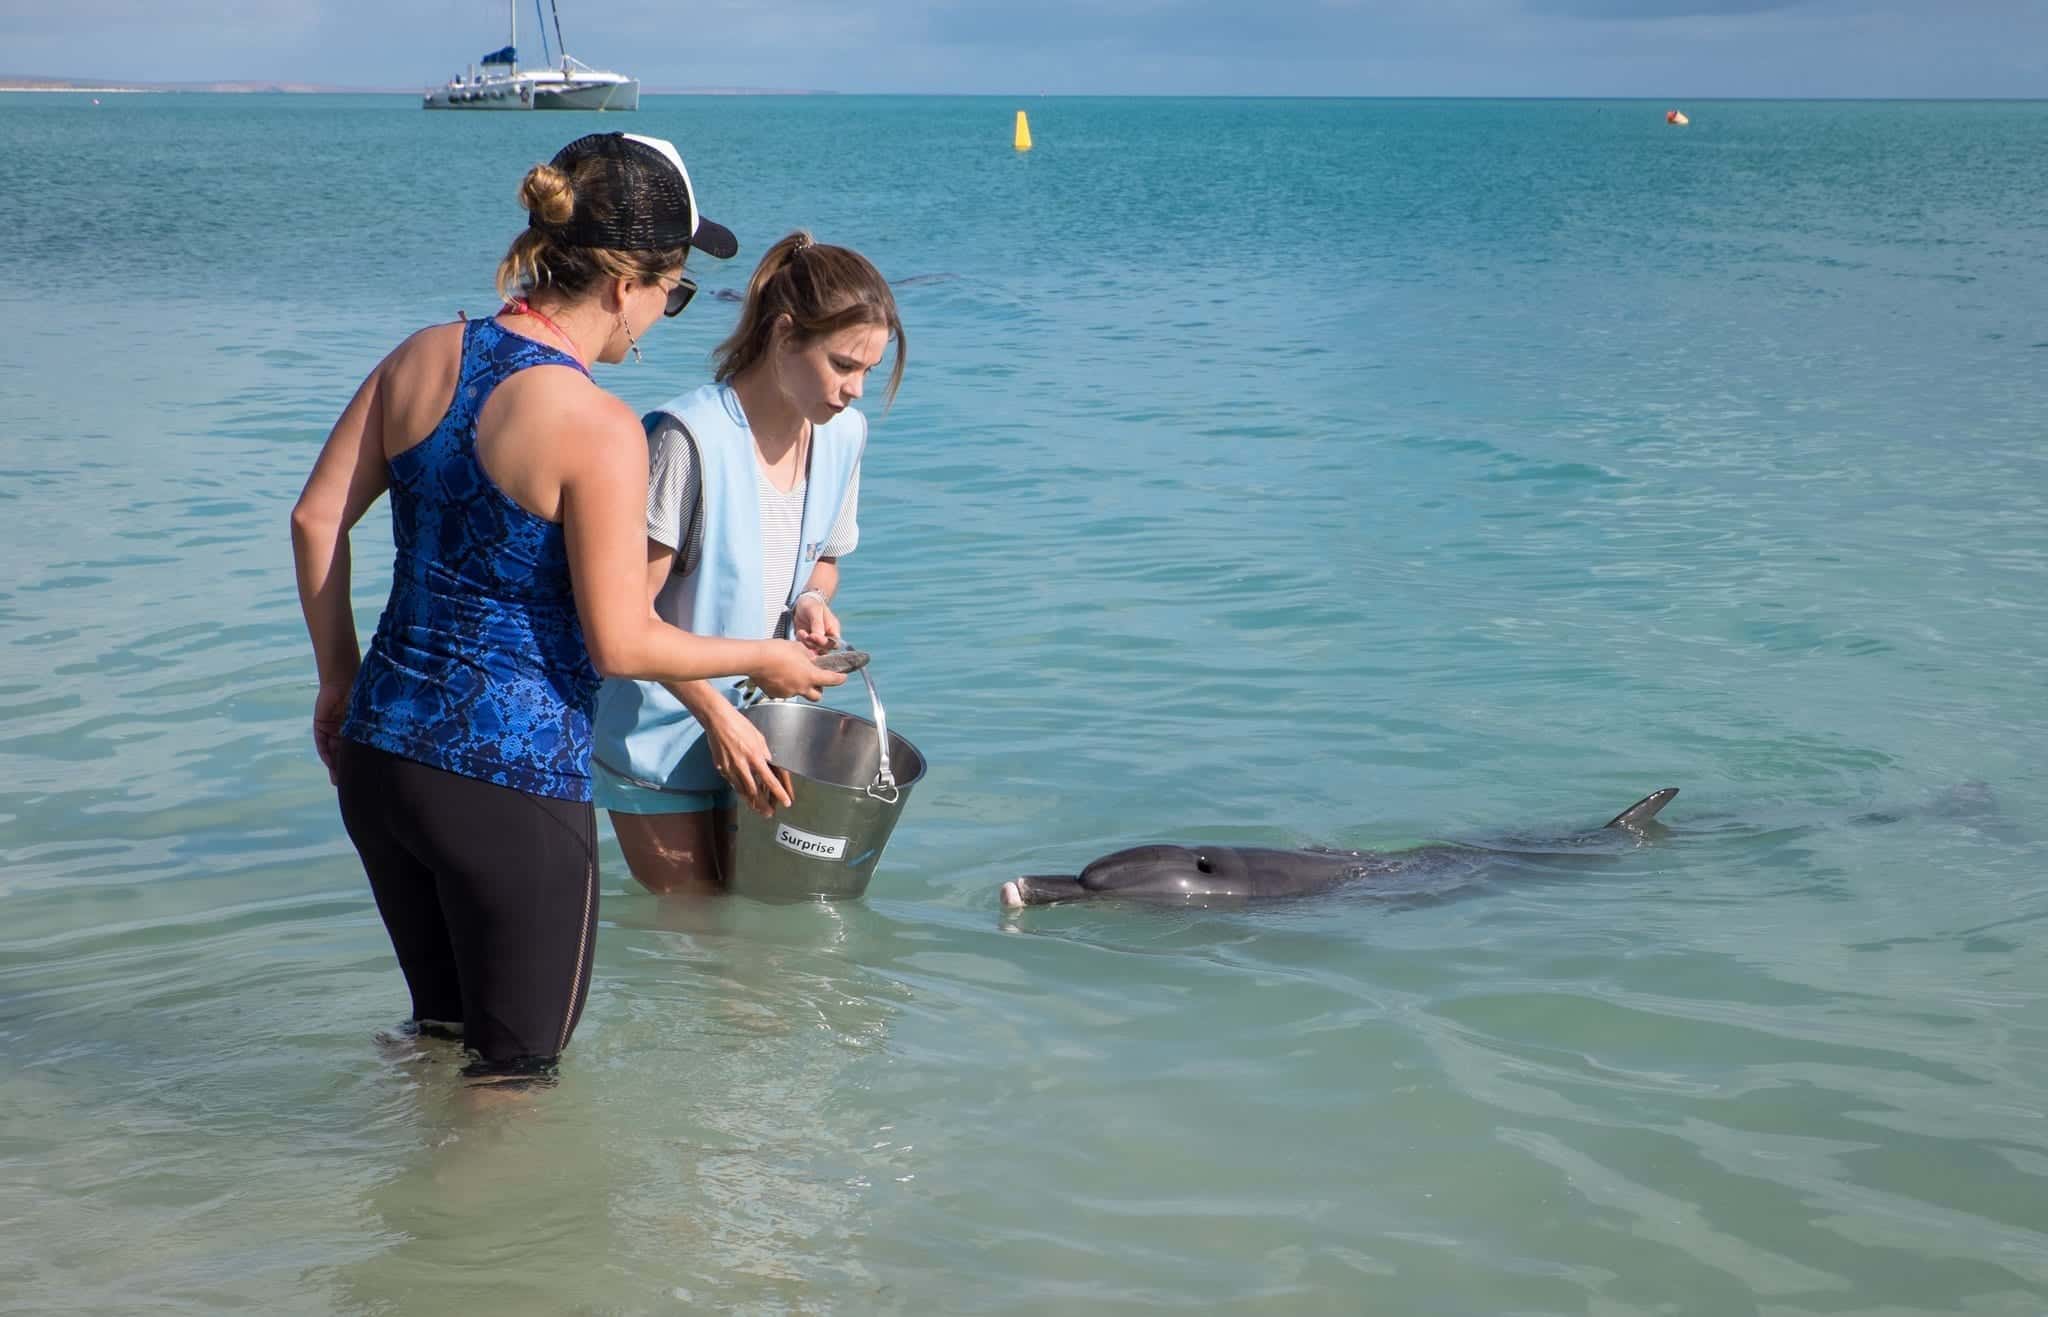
(1202,864)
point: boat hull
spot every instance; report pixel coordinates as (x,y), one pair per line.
(525,93)
(623,95)
(505,94)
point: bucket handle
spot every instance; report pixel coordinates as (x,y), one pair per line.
(883,788)
(884,779)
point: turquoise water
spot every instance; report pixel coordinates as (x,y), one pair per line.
(1270,472)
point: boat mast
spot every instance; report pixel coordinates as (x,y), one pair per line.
(512,9)
(558,37)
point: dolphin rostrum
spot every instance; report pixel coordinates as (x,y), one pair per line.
(1205,875)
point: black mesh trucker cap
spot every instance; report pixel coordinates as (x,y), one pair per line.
(651,205)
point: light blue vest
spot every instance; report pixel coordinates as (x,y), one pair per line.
(642,732)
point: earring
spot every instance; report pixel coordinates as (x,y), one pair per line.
(631,342)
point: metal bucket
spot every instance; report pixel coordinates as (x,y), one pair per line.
(851,779)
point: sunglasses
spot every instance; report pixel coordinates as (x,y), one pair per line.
(679,296)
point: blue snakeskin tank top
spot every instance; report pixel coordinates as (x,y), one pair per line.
(478,665)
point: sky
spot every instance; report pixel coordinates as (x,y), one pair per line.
(1654,48)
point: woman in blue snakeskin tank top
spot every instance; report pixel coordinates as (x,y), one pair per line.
(460,743)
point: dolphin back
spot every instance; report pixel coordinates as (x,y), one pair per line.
(1636,815)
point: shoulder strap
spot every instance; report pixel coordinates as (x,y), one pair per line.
(691,551)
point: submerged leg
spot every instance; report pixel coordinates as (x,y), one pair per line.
(684,854)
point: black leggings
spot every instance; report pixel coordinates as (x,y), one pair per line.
(490,896)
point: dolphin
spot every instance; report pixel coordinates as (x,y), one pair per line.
(1211,875)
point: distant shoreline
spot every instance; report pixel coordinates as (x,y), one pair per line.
(58,85)
(24,84)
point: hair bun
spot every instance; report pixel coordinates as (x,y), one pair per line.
(548,195)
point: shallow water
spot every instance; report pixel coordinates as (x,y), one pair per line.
(1274,472)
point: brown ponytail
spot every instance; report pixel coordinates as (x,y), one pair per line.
(822,289)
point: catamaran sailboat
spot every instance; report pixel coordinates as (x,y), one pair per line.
(500,84)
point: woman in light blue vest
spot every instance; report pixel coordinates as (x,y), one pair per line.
(752,499)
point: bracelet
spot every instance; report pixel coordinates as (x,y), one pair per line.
(823,598)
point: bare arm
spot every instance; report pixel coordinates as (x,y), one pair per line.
(813,622)
(604,502)
(348,476)
(825,578)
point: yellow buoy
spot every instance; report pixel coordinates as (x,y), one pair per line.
(1023,132)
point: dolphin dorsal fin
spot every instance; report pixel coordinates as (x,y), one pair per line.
(1636,815)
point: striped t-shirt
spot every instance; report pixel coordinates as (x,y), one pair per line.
(674,487)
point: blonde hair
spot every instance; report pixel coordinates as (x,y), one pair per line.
(822,289)
(540,258)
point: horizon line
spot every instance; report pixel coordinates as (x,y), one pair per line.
(272,87)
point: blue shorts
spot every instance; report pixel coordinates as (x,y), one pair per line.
(625,795)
